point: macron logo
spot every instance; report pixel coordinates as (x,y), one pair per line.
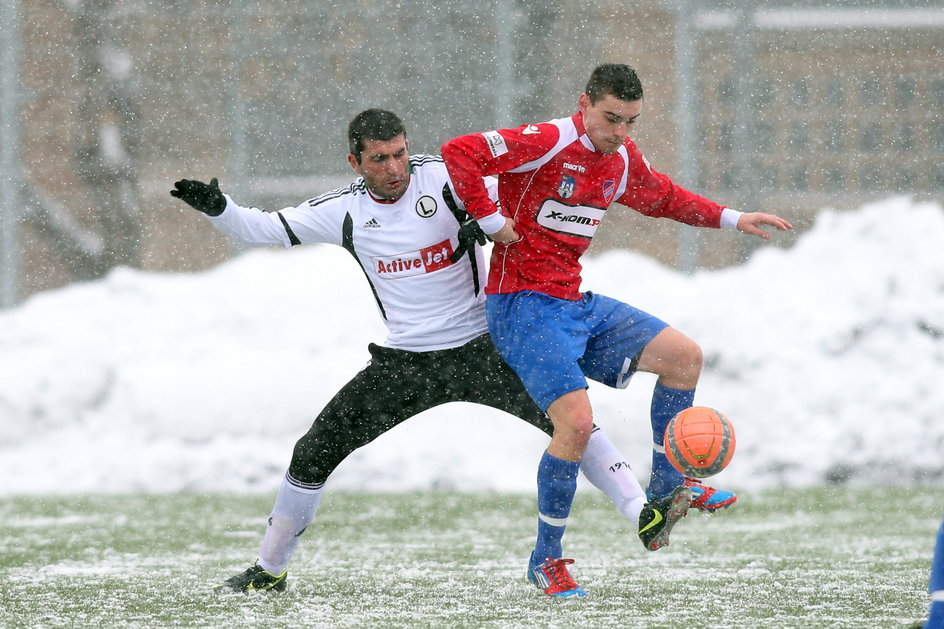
(418,262)
(577,167)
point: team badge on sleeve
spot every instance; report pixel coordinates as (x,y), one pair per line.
(496,143)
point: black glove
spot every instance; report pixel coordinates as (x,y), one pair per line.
(205,197)
(469,234)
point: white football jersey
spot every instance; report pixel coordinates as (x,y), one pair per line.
(426,301)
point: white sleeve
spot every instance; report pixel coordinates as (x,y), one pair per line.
(491,184)
(251,225)
(729,218)
(493,222)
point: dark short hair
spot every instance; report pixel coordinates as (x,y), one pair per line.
(614,78)
(372,124)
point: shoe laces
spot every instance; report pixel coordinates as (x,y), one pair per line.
(556,571)
(697,485)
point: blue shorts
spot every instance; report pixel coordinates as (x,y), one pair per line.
(555,344)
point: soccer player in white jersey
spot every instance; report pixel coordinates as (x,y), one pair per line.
(421,254)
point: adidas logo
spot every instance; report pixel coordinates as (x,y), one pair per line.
(371,224)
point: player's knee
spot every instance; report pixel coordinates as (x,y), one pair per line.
(692,358)
(576,430)
(683,358)
(582,432)
(573,421)
(686,368)
(311,461)
(674,357)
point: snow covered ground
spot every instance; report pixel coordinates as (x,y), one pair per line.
(828,358)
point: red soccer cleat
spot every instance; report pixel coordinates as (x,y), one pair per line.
(706,498)
(552,577)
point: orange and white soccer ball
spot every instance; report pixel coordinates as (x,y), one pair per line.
(699,442)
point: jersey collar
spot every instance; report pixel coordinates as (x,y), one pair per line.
(381,201)
(387,201)
(582,132)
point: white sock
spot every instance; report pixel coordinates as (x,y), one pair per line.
(293,511)
(608,471)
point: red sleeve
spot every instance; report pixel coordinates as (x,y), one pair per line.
(470,157)
(652,193)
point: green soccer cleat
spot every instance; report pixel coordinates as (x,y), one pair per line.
(253,579)
(659,516)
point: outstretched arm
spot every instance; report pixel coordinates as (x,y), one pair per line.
(204,197)
(751,222)
(249,225)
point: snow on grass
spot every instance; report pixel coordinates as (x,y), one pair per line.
(787,559)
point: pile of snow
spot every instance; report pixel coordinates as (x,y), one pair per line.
(828,358)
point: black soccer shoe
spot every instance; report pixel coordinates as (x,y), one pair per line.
(659,516)
(253,579)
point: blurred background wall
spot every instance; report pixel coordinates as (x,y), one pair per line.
(787,106)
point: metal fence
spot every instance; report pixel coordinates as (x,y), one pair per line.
(799,105)
(787,105)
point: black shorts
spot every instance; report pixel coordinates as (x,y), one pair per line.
(398,384)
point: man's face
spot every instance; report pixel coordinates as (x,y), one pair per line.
(608,120)
(385,167)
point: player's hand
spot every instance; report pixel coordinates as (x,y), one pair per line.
(469,234)
(506,234)
(205,197)
(750,223)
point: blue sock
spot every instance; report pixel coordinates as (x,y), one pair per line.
(936,586)
(935,616)
(666,404)
(557,483)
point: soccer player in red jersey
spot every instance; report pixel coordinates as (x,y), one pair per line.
(556,181)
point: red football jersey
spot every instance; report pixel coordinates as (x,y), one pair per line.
(557,187)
